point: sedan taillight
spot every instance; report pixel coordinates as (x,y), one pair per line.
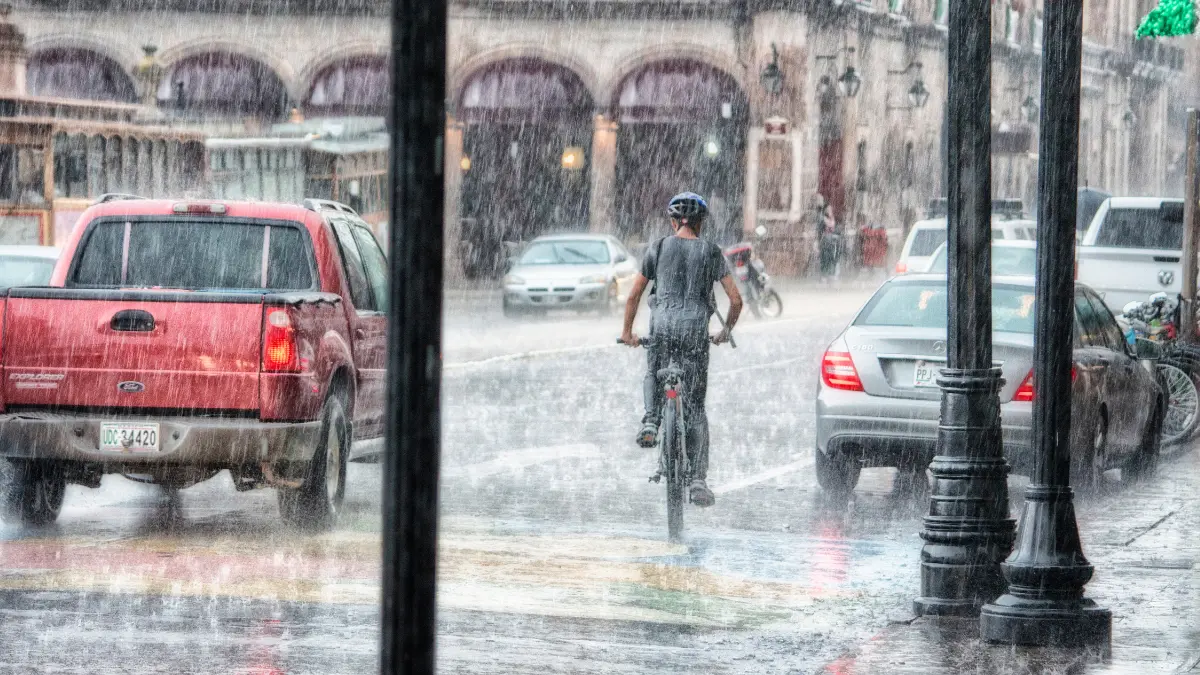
(838,371)
(1025,391)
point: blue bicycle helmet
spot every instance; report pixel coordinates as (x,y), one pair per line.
(687,205)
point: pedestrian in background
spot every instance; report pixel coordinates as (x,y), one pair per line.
(830,247)
(810,225)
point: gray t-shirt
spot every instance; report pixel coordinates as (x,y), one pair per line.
(684,272)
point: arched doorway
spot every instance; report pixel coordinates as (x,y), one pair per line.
(223,84)
(526,146)
(78,74)
(358,85)
(683,126)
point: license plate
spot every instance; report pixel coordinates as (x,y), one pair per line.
(924,374)
(122,437)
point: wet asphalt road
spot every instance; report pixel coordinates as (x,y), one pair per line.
(554,556)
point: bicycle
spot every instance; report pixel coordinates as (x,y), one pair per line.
(673,463)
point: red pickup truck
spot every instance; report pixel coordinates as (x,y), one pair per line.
(180,339)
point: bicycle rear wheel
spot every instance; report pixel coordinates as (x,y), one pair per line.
(673,468)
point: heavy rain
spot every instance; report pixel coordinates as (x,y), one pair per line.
(599,336)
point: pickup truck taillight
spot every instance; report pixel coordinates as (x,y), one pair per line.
(279,343)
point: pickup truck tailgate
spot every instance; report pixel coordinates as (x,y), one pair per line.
(1126,274)
(83,348)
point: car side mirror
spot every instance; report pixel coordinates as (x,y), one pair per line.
(621,257)
(1147,350)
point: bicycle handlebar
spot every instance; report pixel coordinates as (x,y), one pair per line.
(648,342)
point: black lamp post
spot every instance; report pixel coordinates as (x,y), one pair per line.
(772,77)
(1044,604)
(968,530)
(918,95)
(850,82)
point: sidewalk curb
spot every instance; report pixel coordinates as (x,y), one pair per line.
(951,646)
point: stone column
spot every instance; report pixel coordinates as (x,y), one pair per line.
(456,164)
(13,56)
(750,201)
(603,174)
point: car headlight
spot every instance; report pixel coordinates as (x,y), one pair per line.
(513,280)
(594,279)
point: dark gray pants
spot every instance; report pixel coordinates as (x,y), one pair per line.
(689,349)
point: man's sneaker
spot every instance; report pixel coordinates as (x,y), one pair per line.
(647,437)
(701,495)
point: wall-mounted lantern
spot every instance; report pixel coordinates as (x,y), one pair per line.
(848,83)
(772,77)
(572,158)
(918,94)
(1031,109)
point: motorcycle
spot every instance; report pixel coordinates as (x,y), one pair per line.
(752,279)
(1179,368)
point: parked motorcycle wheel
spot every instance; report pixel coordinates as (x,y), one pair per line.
(1183,402)
(753,302)
(771,305)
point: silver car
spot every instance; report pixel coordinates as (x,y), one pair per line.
(26,265)
(1010,258)
(878,403)
(569,271)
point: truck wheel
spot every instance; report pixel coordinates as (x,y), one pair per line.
(35,493)
(316,503)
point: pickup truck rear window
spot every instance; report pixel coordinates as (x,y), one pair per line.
(194,255)
(1140,228)
(927,240)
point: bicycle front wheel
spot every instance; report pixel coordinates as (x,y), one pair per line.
(673,467)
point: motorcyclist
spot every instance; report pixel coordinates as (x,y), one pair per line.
(684,269)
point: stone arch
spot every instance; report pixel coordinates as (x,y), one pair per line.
(354,84)
(304,76)
(175,53)
(224,82)
(470,68)
(78,73)
(125,54)
(724,63)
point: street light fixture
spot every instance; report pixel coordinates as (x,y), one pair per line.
(850,82)
(772,77)
(918,95)
(1030,108)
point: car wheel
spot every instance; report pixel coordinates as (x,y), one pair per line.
(35,493)
(1088,471)
(315,505)
(838,475)
(1145,462)
(609,306)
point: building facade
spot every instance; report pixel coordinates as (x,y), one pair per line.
(566,114)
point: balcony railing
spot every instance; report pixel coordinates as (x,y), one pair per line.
(1156,53)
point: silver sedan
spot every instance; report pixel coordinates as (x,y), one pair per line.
(569,271)
(878,403)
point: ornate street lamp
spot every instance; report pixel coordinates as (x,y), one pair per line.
(772,77)
(850,82)
(918,95)
(1030,108)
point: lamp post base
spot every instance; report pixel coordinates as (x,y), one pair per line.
(1045,623)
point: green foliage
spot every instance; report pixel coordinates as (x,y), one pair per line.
(1171,18)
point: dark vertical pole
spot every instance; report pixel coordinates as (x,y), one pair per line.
(1191,236)
(1046,574)
(410,467)
(968,530)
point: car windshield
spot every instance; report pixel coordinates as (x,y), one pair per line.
(1140,228)
(566,252)
(926,241)
(1007,261)
(923,305)
(25,271)
(194,255)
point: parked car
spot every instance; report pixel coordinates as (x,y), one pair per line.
(1010,258)
(26,265)
(569,271)
(180,339)
(927,235)
(878,403)
(1132,250)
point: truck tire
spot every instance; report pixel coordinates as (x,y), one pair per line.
(35,493)
(316,504)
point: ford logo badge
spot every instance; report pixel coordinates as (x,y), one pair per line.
(131,387)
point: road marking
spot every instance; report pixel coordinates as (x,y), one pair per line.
(515,460)
(764,476)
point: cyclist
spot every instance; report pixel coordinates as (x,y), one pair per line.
(684,269)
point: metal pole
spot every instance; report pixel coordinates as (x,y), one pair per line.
(1044,604)
(410,466)
(968,530)
(1191,238)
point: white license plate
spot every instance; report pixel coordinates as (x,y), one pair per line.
(925,374)
(124,437)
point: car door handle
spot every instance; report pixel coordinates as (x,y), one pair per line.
(1104,362)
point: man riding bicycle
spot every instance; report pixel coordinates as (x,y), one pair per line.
(684,269)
